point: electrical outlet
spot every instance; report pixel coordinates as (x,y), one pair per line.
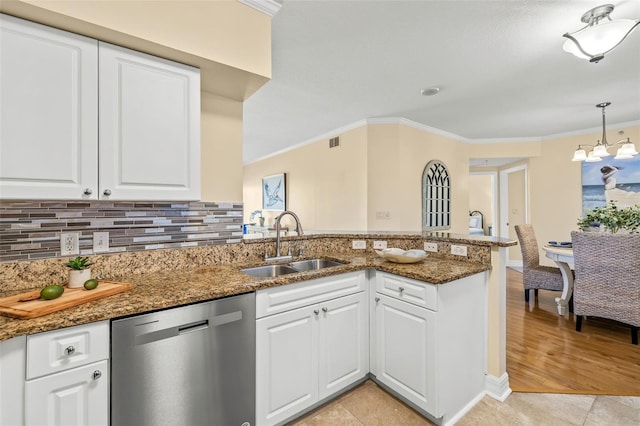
(379,245)
(100,242)
(432,247)
(69,244)
(458,250)
(384,215)
(359,244)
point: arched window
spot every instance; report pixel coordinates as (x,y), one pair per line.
(436,197)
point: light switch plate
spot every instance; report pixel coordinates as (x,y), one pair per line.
(100,242)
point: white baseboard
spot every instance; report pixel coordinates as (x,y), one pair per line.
(453,420)
(498,387)
(514,263)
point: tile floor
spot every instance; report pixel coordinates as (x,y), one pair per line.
(369,405)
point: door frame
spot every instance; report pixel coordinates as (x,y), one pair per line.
(504,202)
(494,199)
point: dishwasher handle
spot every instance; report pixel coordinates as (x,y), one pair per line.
(196,326)
(154,336)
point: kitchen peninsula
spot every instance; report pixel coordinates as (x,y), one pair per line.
(168,278)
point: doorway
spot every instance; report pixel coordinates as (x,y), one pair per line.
(514,207)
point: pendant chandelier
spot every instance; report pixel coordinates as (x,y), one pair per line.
(625,151)
(600,36)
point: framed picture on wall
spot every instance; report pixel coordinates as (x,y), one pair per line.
(611,180)
(274,193)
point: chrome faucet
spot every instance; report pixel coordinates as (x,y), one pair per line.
(298,230)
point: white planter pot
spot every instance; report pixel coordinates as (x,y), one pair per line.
(78,277)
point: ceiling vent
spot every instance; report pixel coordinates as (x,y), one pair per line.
(334,142)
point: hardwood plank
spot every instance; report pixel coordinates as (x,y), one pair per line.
(546,354)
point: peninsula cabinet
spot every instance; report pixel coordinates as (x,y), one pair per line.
(82,119)
(428,341)
(316,345)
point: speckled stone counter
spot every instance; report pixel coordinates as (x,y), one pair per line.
(168,278)
(165,289)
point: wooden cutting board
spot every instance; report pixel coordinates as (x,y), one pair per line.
(30,305)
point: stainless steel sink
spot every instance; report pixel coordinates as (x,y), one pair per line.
(290,268)
(270,270)
(314,264)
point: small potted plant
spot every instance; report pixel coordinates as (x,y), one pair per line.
(611,219)
(259,214)
(80,271)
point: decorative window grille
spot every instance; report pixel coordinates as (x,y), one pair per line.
(436,197)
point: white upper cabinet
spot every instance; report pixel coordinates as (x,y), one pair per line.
(82,119)
(149,127)
(48,111)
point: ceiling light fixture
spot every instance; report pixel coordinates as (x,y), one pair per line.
(627,149)
(598,38)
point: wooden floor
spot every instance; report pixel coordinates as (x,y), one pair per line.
(546,354)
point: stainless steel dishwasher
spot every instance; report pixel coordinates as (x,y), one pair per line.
(192,365)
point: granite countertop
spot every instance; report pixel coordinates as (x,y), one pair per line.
(161,290)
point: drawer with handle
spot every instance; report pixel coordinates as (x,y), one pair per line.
(59,350)
(412,291)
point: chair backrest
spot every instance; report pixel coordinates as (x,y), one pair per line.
(606,258)
(528,246)
(607,275)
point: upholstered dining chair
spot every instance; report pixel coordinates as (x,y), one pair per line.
(534,275)
(607,282)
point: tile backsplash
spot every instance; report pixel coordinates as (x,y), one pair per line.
(31,229)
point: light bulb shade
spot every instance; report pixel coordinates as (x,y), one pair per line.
(622,155)
(592,158)
(600,151)
(628,149)
(579,155)
(593,41)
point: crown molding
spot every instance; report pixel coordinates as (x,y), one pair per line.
(433,130)
(268,7)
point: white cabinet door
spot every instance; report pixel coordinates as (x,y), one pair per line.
(286,364)
(48,112)
(405,355)
(149,127)
(343,342)
(72,397)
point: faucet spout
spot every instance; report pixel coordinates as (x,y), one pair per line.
(298,230)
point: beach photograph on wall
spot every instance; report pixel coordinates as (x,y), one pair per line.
(273,193)
(611,180)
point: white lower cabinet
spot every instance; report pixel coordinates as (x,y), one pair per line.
(428,342)
(307,354)
(56,378)
(79,396)
(405,350)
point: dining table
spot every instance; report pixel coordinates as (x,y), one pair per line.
(563,257)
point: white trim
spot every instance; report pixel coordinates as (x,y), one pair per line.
(424,127)
(464,410)
(497,387)
(268,7)
(515,264)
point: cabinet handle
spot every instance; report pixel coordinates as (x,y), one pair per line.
(315,311)
(88,191)
(96,375)
(106,192)
(69,350)
(400,289)
(325,309)
(377,299)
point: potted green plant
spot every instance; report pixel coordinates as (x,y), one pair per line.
(80,271)
(611,218)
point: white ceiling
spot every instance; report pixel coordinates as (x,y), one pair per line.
(499,64)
